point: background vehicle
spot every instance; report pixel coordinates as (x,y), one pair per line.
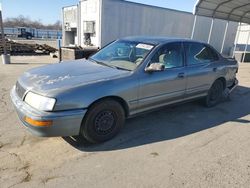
(20,32)
(132,75)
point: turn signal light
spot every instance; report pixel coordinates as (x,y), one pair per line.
(38,123)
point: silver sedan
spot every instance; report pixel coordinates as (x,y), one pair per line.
(92,98)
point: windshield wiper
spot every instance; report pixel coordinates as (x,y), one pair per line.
(101,63)
(107,65)
(121,68)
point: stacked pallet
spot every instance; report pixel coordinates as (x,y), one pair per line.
(15,48)
(46,49)
(19,48)
(7,46)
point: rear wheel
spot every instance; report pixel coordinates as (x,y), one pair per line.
(215,94)
(103,121)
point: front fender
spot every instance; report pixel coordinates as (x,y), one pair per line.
(83,96)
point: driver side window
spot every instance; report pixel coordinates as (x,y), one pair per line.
(169,55)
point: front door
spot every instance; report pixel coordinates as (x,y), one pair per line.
(165,87)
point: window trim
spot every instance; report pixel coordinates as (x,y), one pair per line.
(202,62)
(215,51)
(162,46)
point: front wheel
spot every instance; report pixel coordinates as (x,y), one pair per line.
(103,121)
(215,94)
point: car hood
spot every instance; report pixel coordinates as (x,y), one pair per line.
(68,75)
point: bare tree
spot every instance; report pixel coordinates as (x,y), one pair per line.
(22,21)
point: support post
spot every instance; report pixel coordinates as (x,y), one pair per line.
(194,26)
(237,38)
(59,44)
(210,32)
(245,51)
(224,38)
(5,56)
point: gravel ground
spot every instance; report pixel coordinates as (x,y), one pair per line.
(183,146)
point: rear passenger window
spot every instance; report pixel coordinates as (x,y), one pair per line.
(197,53)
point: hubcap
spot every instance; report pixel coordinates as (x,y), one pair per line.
(104,122)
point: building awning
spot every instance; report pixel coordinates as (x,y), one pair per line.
(231,10)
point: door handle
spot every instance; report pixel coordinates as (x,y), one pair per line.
(181,75)
(215,69)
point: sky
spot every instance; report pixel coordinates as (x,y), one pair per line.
(49,11)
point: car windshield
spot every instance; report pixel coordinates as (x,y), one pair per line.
(122,54)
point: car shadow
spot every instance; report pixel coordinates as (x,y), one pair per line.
(173,122)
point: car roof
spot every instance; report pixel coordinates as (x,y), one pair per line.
(157,40)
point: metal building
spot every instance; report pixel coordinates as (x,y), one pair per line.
(229,10)
(98,22)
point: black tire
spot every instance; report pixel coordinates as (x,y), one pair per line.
(215,94)
(103,121)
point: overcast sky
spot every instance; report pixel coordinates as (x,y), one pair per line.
(49,11)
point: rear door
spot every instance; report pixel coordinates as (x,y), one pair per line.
(201,68)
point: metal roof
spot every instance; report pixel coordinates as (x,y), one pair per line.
(231,10)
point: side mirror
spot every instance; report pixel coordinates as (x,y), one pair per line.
(155,67)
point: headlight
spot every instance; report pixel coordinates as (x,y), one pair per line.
(40,102)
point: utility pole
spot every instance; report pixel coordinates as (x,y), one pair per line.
(5,56)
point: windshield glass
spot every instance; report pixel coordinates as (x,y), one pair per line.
(126,55)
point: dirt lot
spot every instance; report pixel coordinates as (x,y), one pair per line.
(183,146)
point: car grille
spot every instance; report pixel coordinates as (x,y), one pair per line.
(20,90)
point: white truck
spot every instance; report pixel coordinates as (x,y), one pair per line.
(95,23)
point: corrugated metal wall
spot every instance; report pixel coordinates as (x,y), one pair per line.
(121,18)
(90,11)
(203,28)
(70,16)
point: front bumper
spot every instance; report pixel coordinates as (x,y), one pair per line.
(65,123)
